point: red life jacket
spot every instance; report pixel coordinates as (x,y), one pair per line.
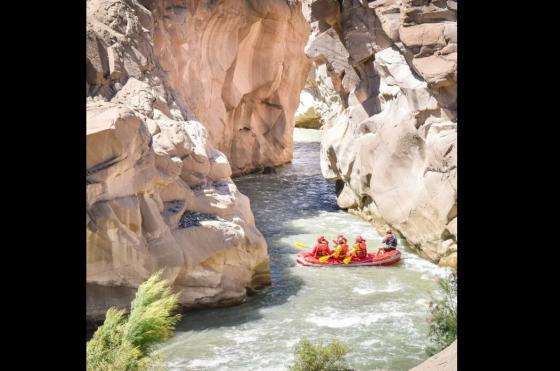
(321,250)
(343,251)
(360,250)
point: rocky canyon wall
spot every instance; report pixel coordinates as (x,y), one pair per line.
(239,66)
(390,138)
(180,95)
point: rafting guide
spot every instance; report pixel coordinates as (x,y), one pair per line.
(390,241)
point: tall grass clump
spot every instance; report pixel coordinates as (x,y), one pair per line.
(443,318)
(123,343)
(311,357)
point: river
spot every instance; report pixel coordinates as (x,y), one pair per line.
(379,311)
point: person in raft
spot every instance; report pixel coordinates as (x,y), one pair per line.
(360,249)
(322,248)
(341,248)
(390,241)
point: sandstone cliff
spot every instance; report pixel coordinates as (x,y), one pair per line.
(239,66)
(446,360)
(178,90)
(390,138)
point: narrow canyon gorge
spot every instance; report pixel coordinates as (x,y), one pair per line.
(184,95)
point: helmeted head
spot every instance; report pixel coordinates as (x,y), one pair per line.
(360,239)
(322,239)
(341,239)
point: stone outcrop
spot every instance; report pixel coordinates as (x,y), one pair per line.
(239,66)
(181,95)
(390,143)
(446,360)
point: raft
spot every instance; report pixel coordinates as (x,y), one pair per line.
(385,258)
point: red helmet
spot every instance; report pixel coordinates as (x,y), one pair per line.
(322,239)
(341,239)
(360,239)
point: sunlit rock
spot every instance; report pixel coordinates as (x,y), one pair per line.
(391,144)
(181,96)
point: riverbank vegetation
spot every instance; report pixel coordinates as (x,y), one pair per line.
(310,119)
(443,317)
(318,357)
(123,343)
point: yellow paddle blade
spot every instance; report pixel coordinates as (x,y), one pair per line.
(301,245)
(323,259)
(347,259)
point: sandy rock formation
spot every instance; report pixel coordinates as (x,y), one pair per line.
(239,66)
(446,360)
(171,96)
(391,142)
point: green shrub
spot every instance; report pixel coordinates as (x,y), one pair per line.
(443,318)
(309,120)
(123,343)
(310,357)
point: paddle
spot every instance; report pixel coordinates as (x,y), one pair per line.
(349,258)
(301,245)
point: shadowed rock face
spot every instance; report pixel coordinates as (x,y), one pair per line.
(390,140)
(175,88)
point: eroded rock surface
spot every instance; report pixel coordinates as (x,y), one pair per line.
(239,66)
(390,142)
(181,95)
